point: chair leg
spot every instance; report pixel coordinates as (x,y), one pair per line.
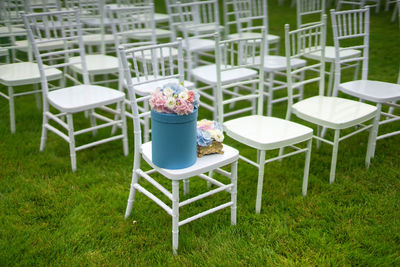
(301,89)
(71,141)
(334,156)
(43,139)
(234,192)
(12,109)
(124,130)
(330,80)
(210,173)
(93,122)
(260,183)
(132,192)
(175,216)
(319,135)
(271,77)
(37,96)
(307,167)
(372,136)
(116,117)
(186,186)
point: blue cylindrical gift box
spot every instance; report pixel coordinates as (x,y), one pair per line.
(173,139)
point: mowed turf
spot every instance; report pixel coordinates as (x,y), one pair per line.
(51,216)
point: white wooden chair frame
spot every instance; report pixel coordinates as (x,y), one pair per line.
(248,11)
(192,15)
(311,8)
(203,165)
(17,73)
(70,20)
(359,4)
(298,43)
(226,52)
(384,94)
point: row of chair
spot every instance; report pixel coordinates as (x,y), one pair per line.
(236,76)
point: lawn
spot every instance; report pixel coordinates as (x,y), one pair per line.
(52,216)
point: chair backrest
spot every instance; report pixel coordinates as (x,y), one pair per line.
(128,21)
(160,69)
(240,54)
(195,14)
(53,28)
(252,16)
(134,2)
(173,15)
(92,15)
(11,21)
(309,12)
(298,43)
(229,15)
(43,5)
(351,31)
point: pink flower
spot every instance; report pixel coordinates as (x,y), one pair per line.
(158,101)
(183,108)
(190,96)
(205,125)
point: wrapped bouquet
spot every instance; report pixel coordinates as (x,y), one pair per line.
(209,138)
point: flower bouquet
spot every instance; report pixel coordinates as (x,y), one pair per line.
(209,138)
(174,98)
(173,122)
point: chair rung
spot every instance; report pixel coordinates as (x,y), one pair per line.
(58,132)
(104,125)
(202,214)
(154,183)
(99,142)
(154,198)
(206,194)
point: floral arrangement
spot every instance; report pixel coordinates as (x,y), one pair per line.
(209,137)
(174,98)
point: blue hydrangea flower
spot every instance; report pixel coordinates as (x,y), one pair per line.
(203,138)
(196,102)
(176,88)
(218,126)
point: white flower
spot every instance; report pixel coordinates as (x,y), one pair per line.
(168,92)
(171,102)
(219,137)
(184,95)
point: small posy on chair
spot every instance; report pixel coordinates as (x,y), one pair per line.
(209,138)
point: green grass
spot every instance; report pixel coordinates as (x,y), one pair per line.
(51,216)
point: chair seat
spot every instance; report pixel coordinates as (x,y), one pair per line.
(83,97)
(97,64)
(3,51)
(201,28)
(202,165)
(270,37)
(23,73)
(198,45)
(93,39)
(147,34)
(148,88)
(266,133)
(208,74)
(333,112)
(160,17)
(278,63)
(16,31)
(22,45)
(375,91)
(330,54)
(95,22)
